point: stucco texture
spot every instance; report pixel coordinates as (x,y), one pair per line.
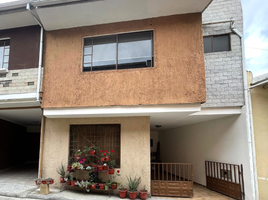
(259,98)
(135,146)
(177,77)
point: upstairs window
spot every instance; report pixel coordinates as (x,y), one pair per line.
(121,51)
(4,53)
(217,43)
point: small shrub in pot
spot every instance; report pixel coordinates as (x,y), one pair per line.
(133,184)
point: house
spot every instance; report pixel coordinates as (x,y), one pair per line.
(141,76)
(259,96)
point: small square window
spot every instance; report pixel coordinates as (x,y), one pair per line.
(216,43)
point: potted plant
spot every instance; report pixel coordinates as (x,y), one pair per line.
(72,181)
(133,184)
(91,150)
(93,185)
(143,193)
(105,166)
(122,192)
(88,168)
(111,166)
(69,167)
(61,172)
(50,180)
(77,165)
(100,165)
(102,185)
(38,181)
(108,155)
(113,183)
(78,154)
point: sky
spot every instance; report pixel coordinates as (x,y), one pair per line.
(255,34)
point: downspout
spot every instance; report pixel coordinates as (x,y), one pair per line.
(249,118)
(28,7)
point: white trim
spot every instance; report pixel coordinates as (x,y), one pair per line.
(3,71)
(220,111)
(115,111)
(22,96)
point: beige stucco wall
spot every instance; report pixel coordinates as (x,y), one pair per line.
(259,100)
(135,146)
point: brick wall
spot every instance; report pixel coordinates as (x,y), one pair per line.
(19,81)
(224,77)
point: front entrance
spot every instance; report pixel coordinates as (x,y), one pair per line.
(172,179)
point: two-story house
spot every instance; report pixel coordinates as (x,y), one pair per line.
(159,82)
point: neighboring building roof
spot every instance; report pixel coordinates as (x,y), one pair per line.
(260,78)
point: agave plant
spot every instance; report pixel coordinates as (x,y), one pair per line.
(61,170)
(133,184)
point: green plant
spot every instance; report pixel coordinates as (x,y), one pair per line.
(78,152)
(78,165)
(133,184)
(112,164)
(121,187)
(88,168)
(61,171)
(86,148)
(144,189)
(72,177)
(71,160)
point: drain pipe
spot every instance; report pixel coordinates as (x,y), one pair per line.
(28,7)
(249,118)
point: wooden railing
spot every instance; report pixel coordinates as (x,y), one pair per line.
(172,172)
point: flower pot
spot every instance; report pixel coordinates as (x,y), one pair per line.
(93,186)
(100,167)
(107,158)
(123,193)
(102,159)
(102,185)
(50,181)
(44,182)
(69,168)
(92,152)
(132,195)
(106,167)
(62,179)
(111,171)
(91,164)
(114,186)
(69,182)
(107,172)
(73,183)
(143,194)
(77,157)
(65,179)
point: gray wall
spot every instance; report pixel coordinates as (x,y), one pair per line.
(224,77)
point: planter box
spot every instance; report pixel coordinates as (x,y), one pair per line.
(44,189)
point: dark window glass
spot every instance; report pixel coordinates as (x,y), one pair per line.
(221,43)
(135,50)
(216,43)
(123,51)
(207,44)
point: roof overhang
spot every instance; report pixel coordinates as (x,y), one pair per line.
(59,14)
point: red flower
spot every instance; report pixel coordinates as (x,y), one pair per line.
(104,154)
(101,151)
(106,151)
(118,171)
(112,151)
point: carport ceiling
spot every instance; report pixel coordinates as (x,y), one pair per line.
(24,117)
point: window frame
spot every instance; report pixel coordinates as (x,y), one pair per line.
(117,34)
(212,46)
(3,61)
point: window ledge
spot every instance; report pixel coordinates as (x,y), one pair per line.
(3,71)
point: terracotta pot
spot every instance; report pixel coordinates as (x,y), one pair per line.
(143,194)
(100,167)
(62,179)
(114,186)
(111,171)
(69,168)
(132,195)
(102,185)
(123,193)
(44,182)
(107,172)
(93,186)
(50,181)
(107,158)
(91,164)
(73,183)
(102,159)
(92,152)
(69,182)
(106,167)
(77,157)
